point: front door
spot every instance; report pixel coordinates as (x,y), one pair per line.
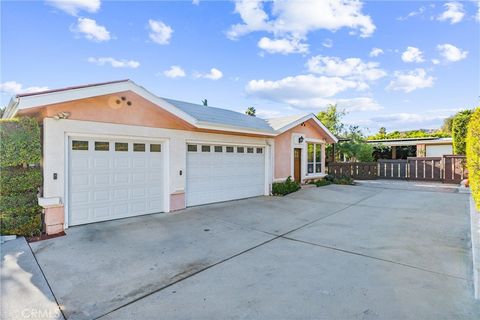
(297,161)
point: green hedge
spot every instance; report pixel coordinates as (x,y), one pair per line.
(16,180)
(459,131)
(19,142)
(473,155)
(283,188)
(20,177)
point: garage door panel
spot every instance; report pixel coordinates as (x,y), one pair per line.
(222,176)
(105,185)
(121,163)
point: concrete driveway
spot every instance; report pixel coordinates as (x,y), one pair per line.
(336,252)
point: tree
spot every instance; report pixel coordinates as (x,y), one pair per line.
(251,111)
(205,102)
(332,119)
(382,131)
(459,130)
(356,148)
(447,125)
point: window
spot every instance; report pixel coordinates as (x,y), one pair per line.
(249,150)
(79,145)
(240,150)
(139,147)
(229,149)
(192,147)
(102,146)
(155,147)
(314,158)
(121,146)
(259,150)
(205,148)
(218,149)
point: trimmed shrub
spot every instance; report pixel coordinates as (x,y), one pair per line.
(329,178)
(322,182)
(459,131)
(20,178)
(473,155)
(344,180)
(16,180)
(283,188)
(19,142)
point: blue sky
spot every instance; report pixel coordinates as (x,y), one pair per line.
(398,64)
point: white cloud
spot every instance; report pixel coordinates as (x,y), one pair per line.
(402,117)
(91,30)
(299,87)
(214,74)
(289,18)
(450,53)
(114,62)
(435,61)
(72,7)
(283,46)
(327,43)
(174,72)
(413,13)
(358,104)
(478,11)
(13,88)
(159,32)
(375,52)
(196,2)
(412,54)
(410,80)
(454,12)
(351,68)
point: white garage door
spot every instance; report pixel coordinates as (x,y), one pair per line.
(439,150)
(111,179)
(219,173)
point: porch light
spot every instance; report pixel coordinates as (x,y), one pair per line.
(300,140)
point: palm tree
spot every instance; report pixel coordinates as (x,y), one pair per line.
(251,111)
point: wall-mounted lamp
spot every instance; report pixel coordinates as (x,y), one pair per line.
(300,140)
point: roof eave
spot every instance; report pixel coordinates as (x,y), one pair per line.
(305,118)
(220,127)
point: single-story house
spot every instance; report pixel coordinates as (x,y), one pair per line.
(113,150)
(421,147)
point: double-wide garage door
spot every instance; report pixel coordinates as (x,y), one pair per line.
(220,173)
(110,179)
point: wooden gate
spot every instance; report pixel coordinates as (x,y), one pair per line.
(392,169)
(454,168)
(425,168)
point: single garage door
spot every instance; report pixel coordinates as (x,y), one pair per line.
(111,179)
(439,150)
(220,173)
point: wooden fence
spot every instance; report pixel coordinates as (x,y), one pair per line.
(354,170)
(448,169)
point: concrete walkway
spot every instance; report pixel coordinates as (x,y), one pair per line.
(335,252)
(24,291)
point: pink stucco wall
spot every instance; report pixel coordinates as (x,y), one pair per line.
(283,146)
(177,201)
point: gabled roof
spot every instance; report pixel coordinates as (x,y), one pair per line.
(283,124)
(221,117)
(197,115)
